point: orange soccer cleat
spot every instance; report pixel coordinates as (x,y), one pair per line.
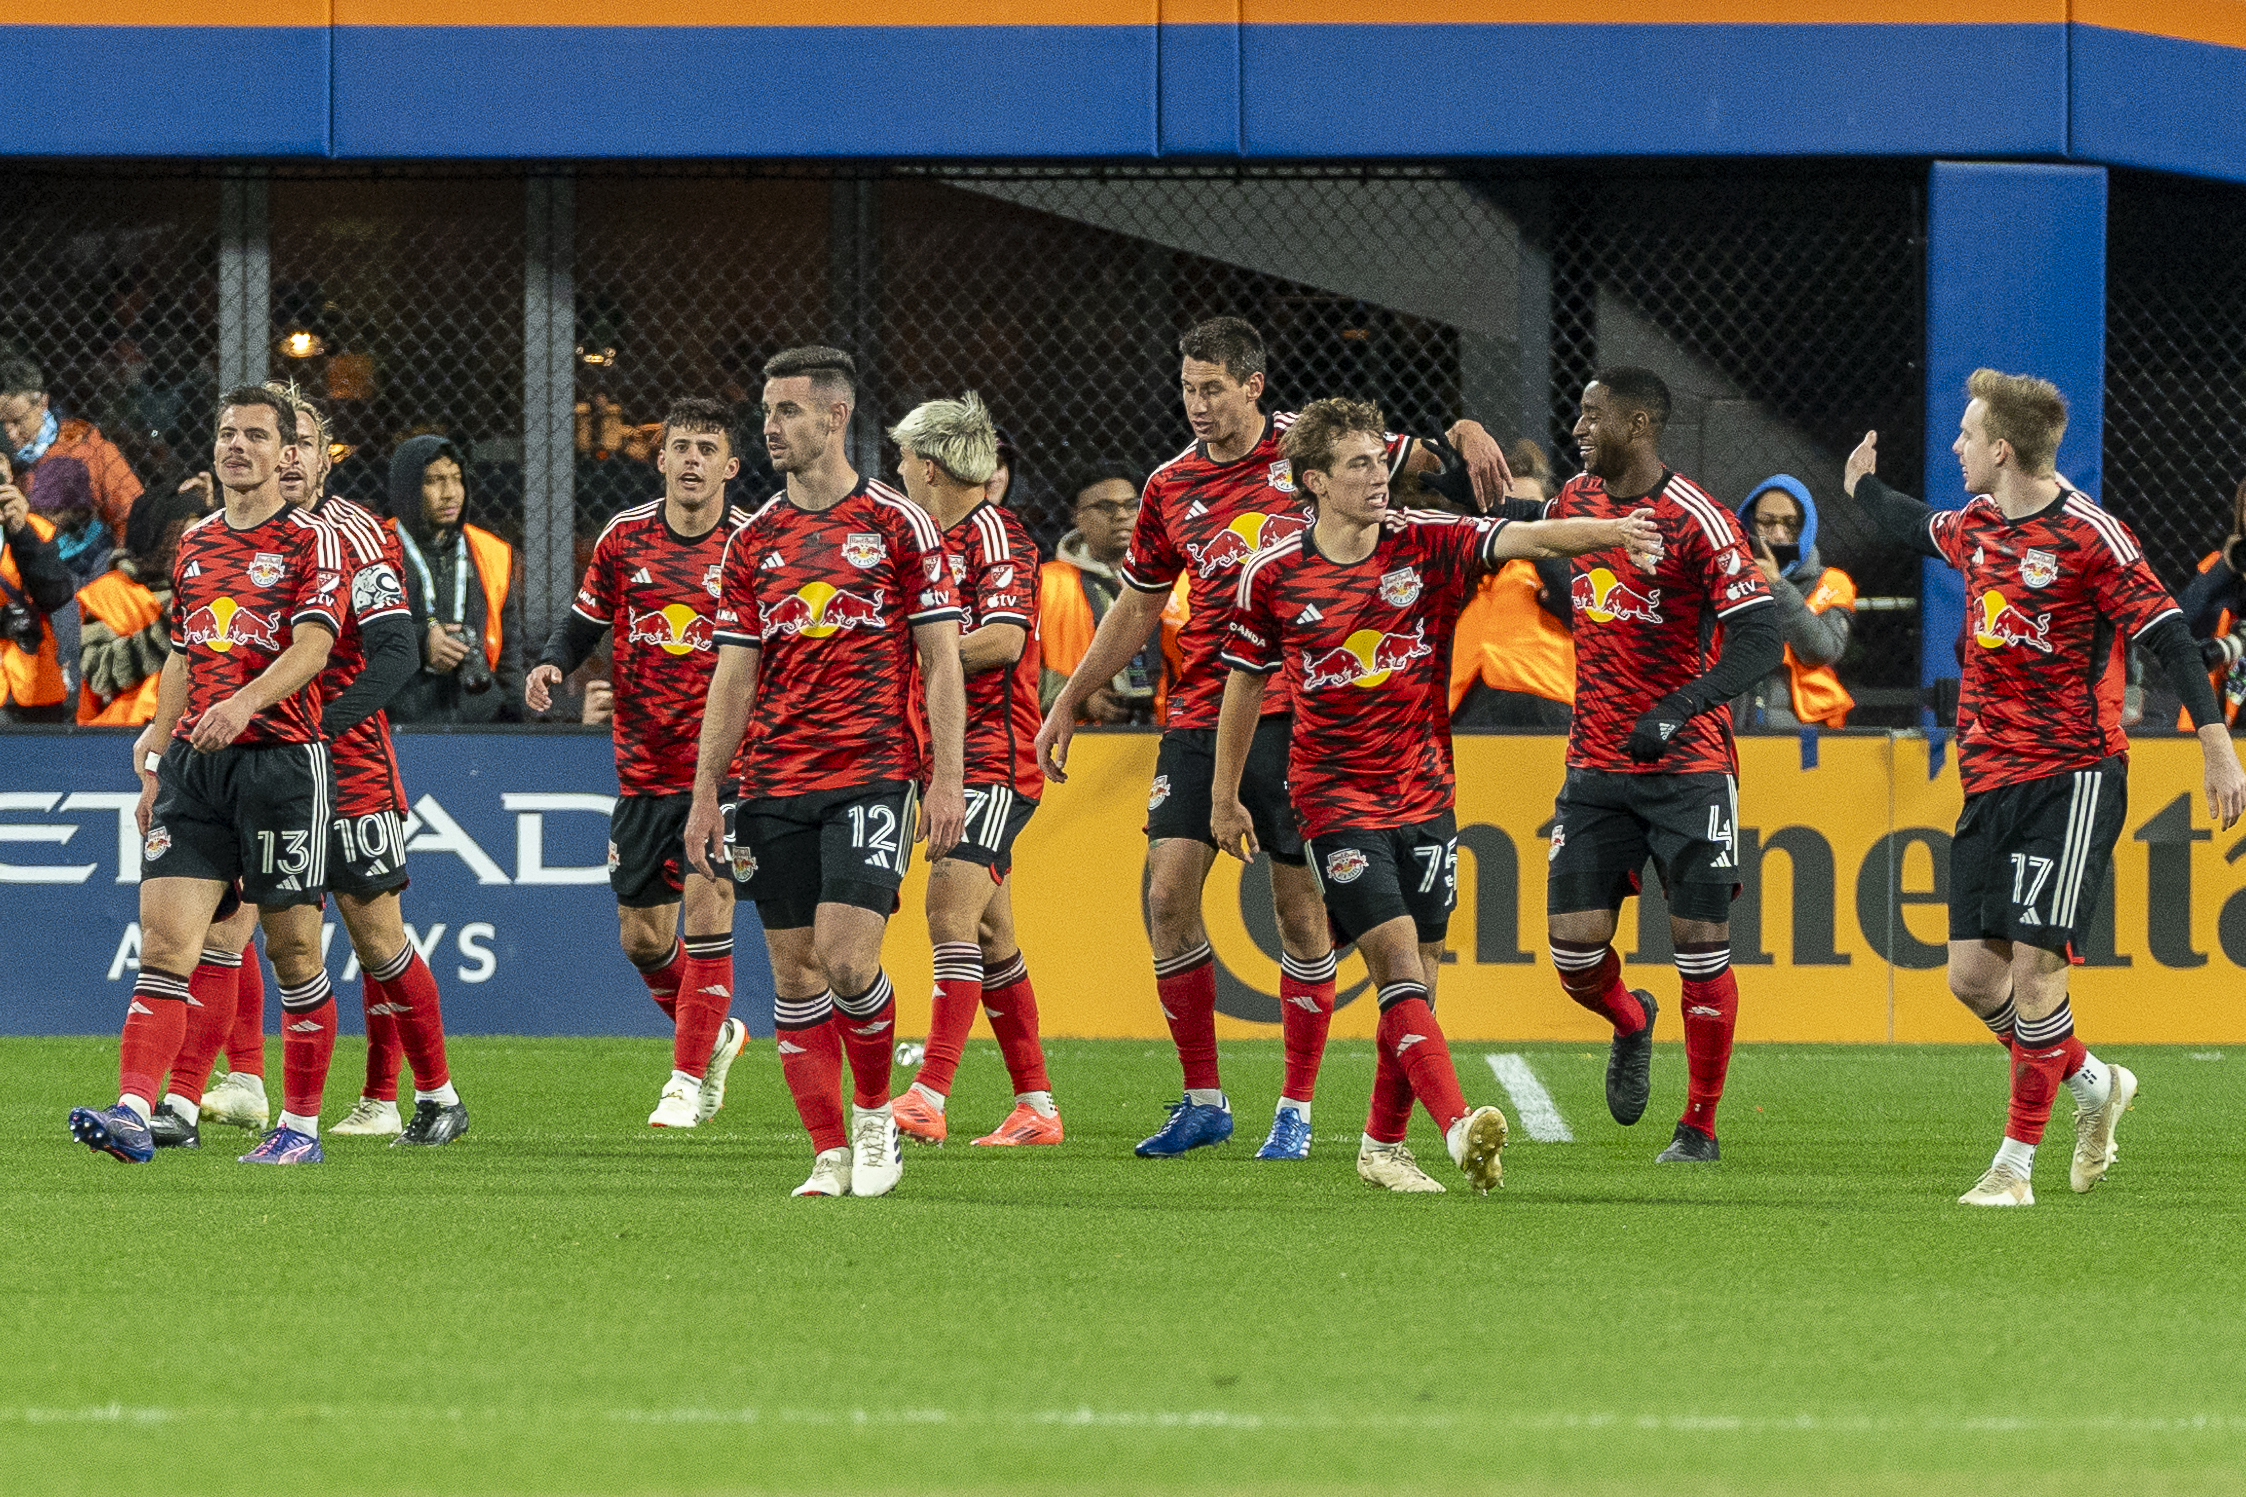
(916,1118)
(1024,1125)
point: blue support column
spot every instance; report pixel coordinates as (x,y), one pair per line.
(2015,280)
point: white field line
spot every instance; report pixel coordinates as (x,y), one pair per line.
(1532,1104)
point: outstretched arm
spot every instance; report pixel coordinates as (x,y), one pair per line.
(1899,519)
(1538,539)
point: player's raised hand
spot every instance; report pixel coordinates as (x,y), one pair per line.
(2226,781)
(705,835)
(1234,829)
(538,687)
(943,819)
(1052,743)
(1486,467)
(1861,462)
(1637,534)
(220,726)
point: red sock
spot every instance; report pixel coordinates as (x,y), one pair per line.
(1711,1014)
(2042,1050)
(1408,1032)
(1390,1115)
(662,982)
(419,1014)
(245,1046)
(1187,987)
(868,1022)
(959,992)
(705,997)
(213,985)
(811,1063)
(155,1024)
(385,1055)
(2076,1054)
(307,1044)
(1012,1006)
(1306,1008)
(1592,976)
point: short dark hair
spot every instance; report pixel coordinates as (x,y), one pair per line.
(1230,341)
(19,376)
(1309,443)
(1638,389)
(284,414)
(830,367)
(1103,470)
(695,413)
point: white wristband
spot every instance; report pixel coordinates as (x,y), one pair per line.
(151,761)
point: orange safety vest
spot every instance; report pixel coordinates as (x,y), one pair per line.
(1065,626)
(2219,679)
(1818,695)
(29,680)
(127,608)
(1507,640)
(495,565)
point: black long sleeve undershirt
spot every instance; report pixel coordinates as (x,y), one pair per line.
(2170,642)
(393,654)
(1899,519)
(1752,649)
(572,642)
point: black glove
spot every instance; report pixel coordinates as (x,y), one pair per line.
(1451,481)
(1662,722)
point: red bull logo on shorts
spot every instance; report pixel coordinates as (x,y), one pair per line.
(675,628)
(818,609)
(1243,538)
(1606,597)
(2003,623)
(1345,865)
(222,625)
(1365,659)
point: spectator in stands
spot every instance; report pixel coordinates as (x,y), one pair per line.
(124,635)
(1816,608)
(64,493)
(35,590)
(1513,658)
(2215,603)
(1076,589)
(35,434)
(462,582)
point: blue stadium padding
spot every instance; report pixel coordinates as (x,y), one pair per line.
(561,91)
(2016,280)
(1200,89)
(158,90)
(2158,102)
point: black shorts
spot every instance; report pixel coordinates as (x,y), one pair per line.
(1185,772)
(366,854)
(995,817)
(256,814)
(1369,878)
(793,853)
(1607,825)
(647,849)
(2029,860)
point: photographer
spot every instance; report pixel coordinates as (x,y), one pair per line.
(460,579)
(124,635)
(2213,606)
(36,434)
(34,687)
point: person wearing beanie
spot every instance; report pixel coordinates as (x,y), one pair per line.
(63,491)
(465,590)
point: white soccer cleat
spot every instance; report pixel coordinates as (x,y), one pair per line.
(370,1119)
(731,1036)
(237,1100)
(1392,1167)
(2095,1145)
(675,1109)
(830,1175)
(877,1153)
(2001,1186)
(1476,1142)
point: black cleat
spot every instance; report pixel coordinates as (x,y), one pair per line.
(1690,1146)
(433,1124)
(168,1130)
(1630,1066)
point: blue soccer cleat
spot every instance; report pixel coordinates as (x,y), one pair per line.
(115,1131)
(1290,1136)
(1192,1125)
(285,1146)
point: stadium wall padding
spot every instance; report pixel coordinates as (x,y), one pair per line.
(1837,937)
(2102,80)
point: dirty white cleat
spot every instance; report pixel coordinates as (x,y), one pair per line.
(237,1100)
(830,1175)
(731,1036)
(675,1108)
(2095,1145)
(1475,1142)
(366,1119)
(2001,1186)
(877,1154)
(1392,1167)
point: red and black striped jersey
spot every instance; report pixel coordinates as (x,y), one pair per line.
(1365,651)
(1205,519)
(237,597)
(831,597)
(994,565)
(1640,637)
(658,591)
(366,770)
(2050,601)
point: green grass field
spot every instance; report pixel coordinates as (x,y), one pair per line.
(567,1302)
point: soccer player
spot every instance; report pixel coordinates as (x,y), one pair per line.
(1203,514)
(2054,589)
(654,581)
(950,450)
(1651,766)
(1356,615)
(829,595)
(241,787)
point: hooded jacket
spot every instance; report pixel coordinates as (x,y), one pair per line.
(1816,607)
(1068,616)
(491,599)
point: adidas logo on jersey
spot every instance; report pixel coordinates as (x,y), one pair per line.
(771,562)
(194,569)
(1196,508)
(641,576)
(1310,615)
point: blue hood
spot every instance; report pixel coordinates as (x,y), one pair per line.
(1800,491)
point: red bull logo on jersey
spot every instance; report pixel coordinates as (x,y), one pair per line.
(222,624)
(1365,660)
(265,568)
(713,579)
(675,629)
(1243,538)
(1605,598)
(862,549)
(2003,623)
(818,609)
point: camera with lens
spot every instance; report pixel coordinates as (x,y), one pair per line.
(475,671)
(23,626)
